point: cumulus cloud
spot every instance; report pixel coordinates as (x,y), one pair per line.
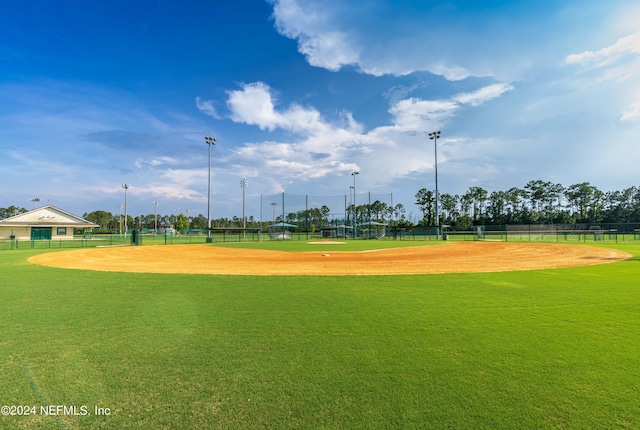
(321,148)
(388,39)
(321,45)
(324,42)
(255,105)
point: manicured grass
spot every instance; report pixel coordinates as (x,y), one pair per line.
(536,349)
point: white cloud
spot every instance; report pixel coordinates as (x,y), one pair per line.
(381,38)
(619,64)
(291,20)
(185,176)
(420,115)
(321,46)
(325,44)
(329,50)
(254,105)
(482,95)
(626,45)
(322,149)
(176,191)
(206,107)
(633,113)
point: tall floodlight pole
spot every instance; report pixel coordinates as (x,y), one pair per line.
(120,220)
(351,202)
(209,141)
(435,136)
(126,187)
(35,200)
(155,216)
(244,184)
(355,222)
(273,206)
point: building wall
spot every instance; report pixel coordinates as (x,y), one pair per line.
(67,235)
(19,232)
(24,233)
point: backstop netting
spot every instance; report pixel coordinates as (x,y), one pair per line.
(287,215)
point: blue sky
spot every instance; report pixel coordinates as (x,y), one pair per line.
(301,93)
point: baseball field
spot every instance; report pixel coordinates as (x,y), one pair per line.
(329,259)
(360,334)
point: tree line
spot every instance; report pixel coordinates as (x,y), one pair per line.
(313,219)
(538,202)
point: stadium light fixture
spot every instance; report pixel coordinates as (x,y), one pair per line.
(35,200)
(209,141)
(126,188)
(355,222)
(435,136)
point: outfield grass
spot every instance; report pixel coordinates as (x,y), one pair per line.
(537,349)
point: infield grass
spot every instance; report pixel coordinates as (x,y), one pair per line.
(534,349)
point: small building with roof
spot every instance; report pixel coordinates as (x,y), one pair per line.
(45,223)
(281,231)
(372,230)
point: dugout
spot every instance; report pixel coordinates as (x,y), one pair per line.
(281,231)
(344,231)
(329,232)
(338,231)
(373,230)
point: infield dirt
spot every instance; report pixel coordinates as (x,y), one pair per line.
(446,258)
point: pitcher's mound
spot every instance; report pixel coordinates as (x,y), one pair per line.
(445,258)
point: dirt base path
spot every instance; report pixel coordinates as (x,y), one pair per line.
(446,258)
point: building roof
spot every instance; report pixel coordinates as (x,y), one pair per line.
(46,216)
(370,223)
(282,224)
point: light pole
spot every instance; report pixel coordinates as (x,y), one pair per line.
(126,187)
(35,200)
(120,220)
(273,206)
(355,222)
(244,184)
(435,136)
(209,141)
(350,202)
(155,218)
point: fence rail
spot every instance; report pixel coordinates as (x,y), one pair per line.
(509,234)
(545,236)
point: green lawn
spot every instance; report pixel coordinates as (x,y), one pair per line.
(536,349)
